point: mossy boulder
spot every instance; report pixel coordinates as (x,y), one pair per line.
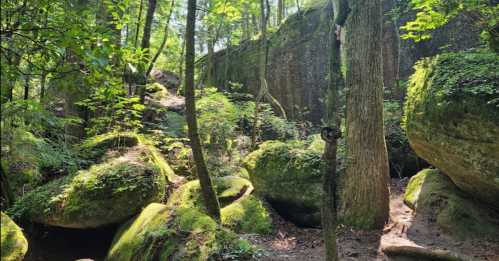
(181,229)
(289,177)
(103,147)
(29,160)
(127,174)
(13,243)
(434,197)
(452,119)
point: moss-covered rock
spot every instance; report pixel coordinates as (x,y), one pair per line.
(289,176)
(13,243)
(181,230)
(102,147)
(106,193)
(452,119)
(29,160)
(434,197)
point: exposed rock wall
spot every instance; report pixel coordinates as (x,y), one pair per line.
(298,57)
(298,64)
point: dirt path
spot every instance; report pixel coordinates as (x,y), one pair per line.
(289,242)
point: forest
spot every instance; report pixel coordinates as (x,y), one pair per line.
(151,130)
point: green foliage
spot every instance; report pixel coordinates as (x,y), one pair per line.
(433,14)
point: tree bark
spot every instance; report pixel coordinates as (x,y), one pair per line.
(163,42)
(137,29)
(280,11)
(364,195)
(145,44)
(333,132)
(209,196)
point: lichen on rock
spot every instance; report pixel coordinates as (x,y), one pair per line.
(434,197)
(452,119)
(13,243)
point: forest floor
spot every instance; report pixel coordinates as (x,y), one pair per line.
(289,242)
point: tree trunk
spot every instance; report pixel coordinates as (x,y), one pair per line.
(146,42)
(332,133)
(163,42)
(27,79)
(364,195)
(43,79)
(280,11)
(209,196)
(137,29)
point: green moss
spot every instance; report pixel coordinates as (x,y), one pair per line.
(95,197)
(96,147)
(180,230)
(289,176)
(29,160)
(13,243)
(247,215)
(451,119)
(435,197)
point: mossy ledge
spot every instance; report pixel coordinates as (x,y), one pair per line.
(126,167)
(434,197)
(13,243)
(181,229)
(452,119)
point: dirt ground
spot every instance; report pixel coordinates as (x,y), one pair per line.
(289,242)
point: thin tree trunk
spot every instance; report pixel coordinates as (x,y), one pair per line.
(146,41)
(137,29)
(43,78)
(209,196)
(27,79)
(364,195)
(333,132)
(280,11)
(163,42)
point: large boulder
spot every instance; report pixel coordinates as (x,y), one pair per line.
(435,198)
(289,177)
(13,243)
(181,230)
(117,186)
(452,119)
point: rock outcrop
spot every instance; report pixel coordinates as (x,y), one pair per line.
(289,177)
(181,230)
(435,198)
(299,53)
(128,175)
(452,119)
(13,243)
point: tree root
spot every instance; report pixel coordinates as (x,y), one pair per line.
(421,254)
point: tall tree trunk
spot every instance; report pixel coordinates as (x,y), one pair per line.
(27,79)
(209,196)
(163,42)
(43,79)
(137,28)
(332,132)
(280,11)
(364,195)
(146,43)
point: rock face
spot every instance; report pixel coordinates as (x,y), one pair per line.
(434,197)
(298,57)
(181,230)
(297,67)
(289,177)
(452,119)
(117,187)
(13,243)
